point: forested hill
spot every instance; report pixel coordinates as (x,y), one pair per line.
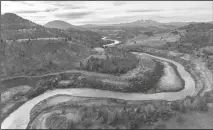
(37,56)
(199,34)
(14,27)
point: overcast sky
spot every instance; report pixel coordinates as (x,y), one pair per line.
(108,12)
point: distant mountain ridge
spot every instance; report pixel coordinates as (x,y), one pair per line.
(140,23)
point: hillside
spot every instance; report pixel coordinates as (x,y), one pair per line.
(2,50)
(14,27)
(199,34)
(39,56)
(140,23)
(60,25)
(35,55)
(11,21)
(192,37)
(125,31)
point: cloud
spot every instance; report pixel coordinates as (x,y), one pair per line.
(70,6)
(23,2)
(112,20)
(73,15)
(57,4)
(118,3)
(36,11)
(66,4)
(73,7)
(29,4)
(27,11)
(51,10)
(145,10)
(104,12)
(40,17)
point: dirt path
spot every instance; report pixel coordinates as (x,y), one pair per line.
(26,39)
(205,75)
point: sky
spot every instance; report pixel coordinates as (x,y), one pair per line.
(110,12)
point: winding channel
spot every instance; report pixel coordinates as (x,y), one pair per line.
(20,118)
(111,44)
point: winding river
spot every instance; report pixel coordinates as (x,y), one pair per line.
(19,119)
(111,44)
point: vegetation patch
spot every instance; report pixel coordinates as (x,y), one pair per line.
(113,115)
(116,62)
(147,80)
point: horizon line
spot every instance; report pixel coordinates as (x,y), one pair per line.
(112,23)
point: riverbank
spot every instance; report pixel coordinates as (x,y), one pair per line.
(134,114)
(194,67)
(111,44)
(13,120)
(108,94)
(96,83)
(115,112)
(74,78)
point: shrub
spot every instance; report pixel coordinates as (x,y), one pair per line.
(149,34)
(113,119)
(180,119)
(118,63)
(182,108)
(133,125)
(200,104)
(160,126)
(87,123)
(147,81)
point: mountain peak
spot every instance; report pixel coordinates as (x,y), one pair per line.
(58,24)
(11,21)
(58,21)
(10,14)
(10,17)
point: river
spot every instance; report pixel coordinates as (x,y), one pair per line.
(19,119)
(111,44)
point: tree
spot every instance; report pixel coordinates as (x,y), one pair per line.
(107,57)
(81,65)
(114,118)
(160,126)
(182,108)
(63,111)
(200,104)
(180,119)
(71,124)
(149,34)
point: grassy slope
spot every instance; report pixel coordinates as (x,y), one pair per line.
(115,62)
(41,56)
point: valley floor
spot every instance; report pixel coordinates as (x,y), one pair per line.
(202,85)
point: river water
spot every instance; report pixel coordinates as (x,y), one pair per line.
(111,44)
(19,119)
